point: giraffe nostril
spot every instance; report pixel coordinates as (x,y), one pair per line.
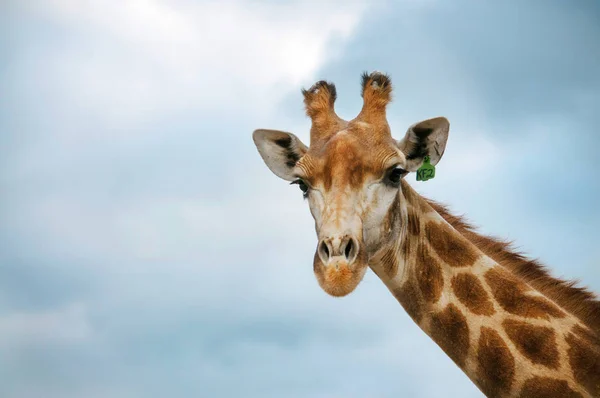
(348,249)
(351,249)
(337,248)
(323,252)
(325,249)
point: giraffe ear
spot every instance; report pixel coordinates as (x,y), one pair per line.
(425,138)
(280,151)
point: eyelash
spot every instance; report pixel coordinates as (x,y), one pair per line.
(395,172)
(303,187)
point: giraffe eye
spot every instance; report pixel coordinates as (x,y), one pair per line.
(395,175)
(302,185)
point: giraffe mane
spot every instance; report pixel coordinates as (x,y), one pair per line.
(577,300)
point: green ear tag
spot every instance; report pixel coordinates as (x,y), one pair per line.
(426,171)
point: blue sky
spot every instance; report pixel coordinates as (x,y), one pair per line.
(146,250)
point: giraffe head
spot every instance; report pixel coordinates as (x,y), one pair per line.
(351,176)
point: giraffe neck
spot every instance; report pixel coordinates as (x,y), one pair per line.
(508,338)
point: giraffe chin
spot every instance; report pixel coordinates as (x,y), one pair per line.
(337,278)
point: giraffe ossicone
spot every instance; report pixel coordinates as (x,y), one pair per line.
(511,327)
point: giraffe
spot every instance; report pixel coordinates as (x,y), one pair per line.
(510,326)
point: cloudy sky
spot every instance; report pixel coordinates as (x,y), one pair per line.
(146,250)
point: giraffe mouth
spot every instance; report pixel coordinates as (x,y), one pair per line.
(339,277)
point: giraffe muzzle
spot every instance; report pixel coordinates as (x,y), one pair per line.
(337,250)
(339,264)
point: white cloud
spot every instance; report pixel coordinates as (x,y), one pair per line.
(163,261)
(131,59)
(64,325)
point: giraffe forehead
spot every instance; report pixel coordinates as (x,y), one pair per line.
(348,159)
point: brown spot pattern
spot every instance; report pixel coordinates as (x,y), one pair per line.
(471,294)
(546,387)
(391,218)
(405,248)
(409,246)
(345,162)
(414,224)
(449,245)
(496,365)
(449,329)
(409,297)
(510,294)
(587,335)
(584,359)
(536,343)
(574,299)
(389,260)
(429,275)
